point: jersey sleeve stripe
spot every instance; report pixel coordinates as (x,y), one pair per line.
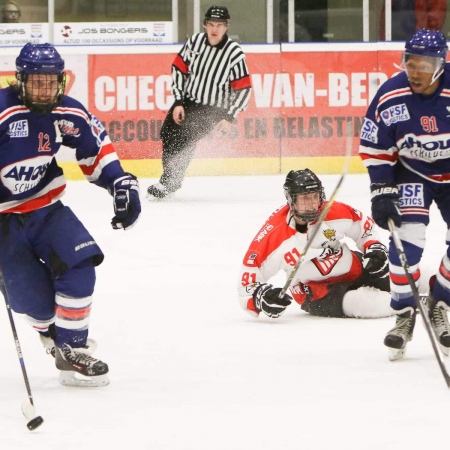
(9,112)
(92,167)
(389,96)
(75,111)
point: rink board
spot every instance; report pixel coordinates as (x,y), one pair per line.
(304,97)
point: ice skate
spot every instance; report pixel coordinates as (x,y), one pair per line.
(49,345)
(439,322)
(79,368)
(401,334)
(158,191)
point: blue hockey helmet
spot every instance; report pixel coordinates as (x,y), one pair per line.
(39,58)
(431,47)
(427,43)
(45,61)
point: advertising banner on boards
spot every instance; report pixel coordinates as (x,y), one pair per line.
(18,34)
(87,33)
(301,102)
(112,33)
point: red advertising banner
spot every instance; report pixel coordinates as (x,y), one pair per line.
(301,102)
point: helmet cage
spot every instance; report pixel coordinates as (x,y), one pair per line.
(303,182)
(28,98)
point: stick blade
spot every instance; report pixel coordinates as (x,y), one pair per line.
(28,409)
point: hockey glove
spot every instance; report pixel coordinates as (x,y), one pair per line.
(127,205)
(375,260)
(385,204)
(267,300)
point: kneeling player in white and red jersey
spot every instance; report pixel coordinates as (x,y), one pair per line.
(336,281)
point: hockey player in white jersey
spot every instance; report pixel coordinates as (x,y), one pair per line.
(336,281)
(405,142)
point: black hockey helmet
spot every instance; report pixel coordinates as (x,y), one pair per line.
(303,182)
(217,14)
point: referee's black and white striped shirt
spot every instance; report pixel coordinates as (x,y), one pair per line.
(212,75)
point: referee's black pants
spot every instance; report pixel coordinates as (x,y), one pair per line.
(179,140)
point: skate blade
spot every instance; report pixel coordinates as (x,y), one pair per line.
(74,379)
(396,353)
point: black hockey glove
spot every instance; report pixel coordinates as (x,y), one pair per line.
(127,205)
(375,260)
(267,300)
(385,204)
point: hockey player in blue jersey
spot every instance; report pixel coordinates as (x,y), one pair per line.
(47,257)
(405,145)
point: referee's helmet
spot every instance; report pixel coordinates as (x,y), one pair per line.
(217,14)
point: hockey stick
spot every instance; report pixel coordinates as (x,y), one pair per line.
(426,320)
(323,214)
(28,408)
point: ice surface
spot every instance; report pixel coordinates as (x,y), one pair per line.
(191,371)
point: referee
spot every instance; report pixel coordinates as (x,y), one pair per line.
(211,86)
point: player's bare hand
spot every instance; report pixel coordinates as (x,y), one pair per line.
(178,115)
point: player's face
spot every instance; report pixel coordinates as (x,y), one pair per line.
(307,203)
(420,71)
(215,31)
(42,87)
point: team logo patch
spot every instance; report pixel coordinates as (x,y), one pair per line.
(369,131)
(411,195)
(18,129)
(251,259)
(22,176)
(394,114)
(68,127)
(97,129)
(326,263)
(330,234)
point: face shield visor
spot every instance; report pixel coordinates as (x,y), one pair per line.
(424,64)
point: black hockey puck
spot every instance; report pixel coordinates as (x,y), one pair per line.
(35,423)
